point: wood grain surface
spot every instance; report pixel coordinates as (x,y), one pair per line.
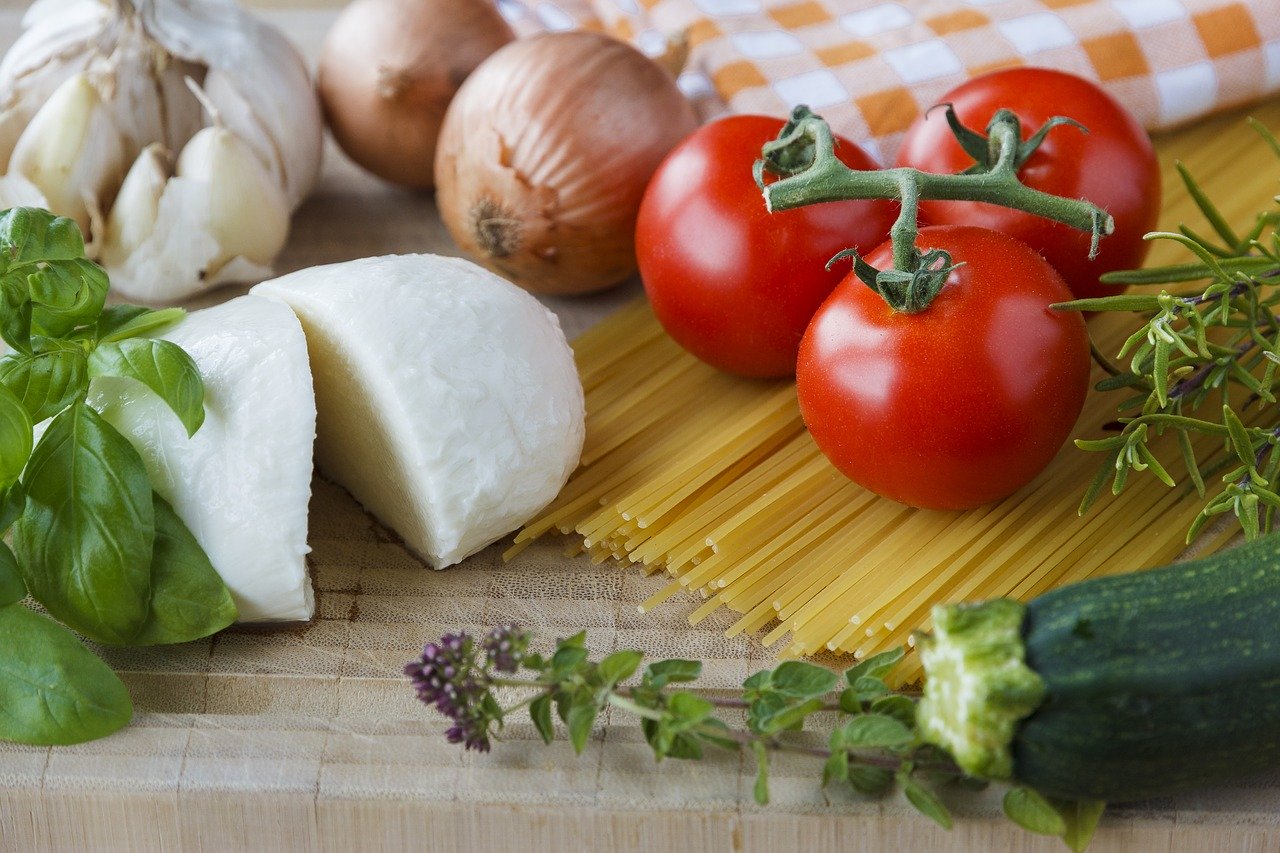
(308,738)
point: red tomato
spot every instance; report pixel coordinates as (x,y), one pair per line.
(959,404)
(1113,166)
(732,283)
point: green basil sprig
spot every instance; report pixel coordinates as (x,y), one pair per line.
(91,541)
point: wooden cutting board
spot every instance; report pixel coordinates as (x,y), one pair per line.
(309,738)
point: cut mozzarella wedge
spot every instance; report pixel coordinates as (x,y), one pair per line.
(243,482)
(449,403)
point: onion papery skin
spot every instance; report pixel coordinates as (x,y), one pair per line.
(545,154)
(388,70)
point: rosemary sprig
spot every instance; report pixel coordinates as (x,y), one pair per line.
(873,744)
(1218,345)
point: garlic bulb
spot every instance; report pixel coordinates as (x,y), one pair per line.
(95,96)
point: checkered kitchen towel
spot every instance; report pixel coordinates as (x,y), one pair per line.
(870,67)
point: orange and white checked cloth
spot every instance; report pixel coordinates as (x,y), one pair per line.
(871,67)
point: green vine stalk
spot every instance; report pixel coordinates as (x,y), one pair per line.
(803,157)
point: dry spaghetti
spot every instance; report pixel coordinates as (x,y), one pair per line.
(715,481)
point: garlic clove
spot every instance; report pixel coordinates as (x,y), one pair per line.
(133,216)
(248,211)
(168,265)
(72,151)
(17,191)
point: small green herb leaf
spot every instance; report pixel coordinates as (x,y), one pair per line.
(568,655)
(925,802)
(119,322)
(761,788)
(1031,811)
(868,688)
(48,379)
(1081,821)
(661,673)
(188,598)
(540,713)
(620,666)
(580,719)
(52,689)
(12,588)
(84,541)
(877,730)
(777,714)
(876,666)
(898,707)
(15,437)
(162,366)
(836,768)
(871,781)
(803,680)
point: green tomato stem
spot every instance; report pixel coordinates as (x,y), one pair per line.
(811,173)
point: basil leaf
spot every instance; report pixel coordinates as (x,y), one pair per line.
(47,382)
(15,313)
(188,598)
(84,541)
(29,235)
(13,501)
(54,691)
(12,587)
(15,437)
(45,253)
(162,366)
(66,294)
(130,321)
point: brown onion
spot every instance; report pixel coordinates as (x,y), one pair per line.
(389,69)
(545,154)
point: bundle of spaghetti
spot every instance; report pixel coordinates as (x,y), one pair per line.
(714,480)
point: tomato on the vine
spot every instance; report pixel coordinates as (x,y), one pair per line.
(1113,166)
(959,404)
(733,284)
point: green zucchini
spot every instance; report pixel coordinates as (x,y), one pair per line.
(1118,688)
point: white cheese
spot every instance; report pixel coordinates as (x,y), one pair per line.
(243,482)
(449,403)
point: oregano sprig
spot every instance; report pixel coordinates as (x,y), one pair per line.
(873,744)
(91,541)
(1202,362)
